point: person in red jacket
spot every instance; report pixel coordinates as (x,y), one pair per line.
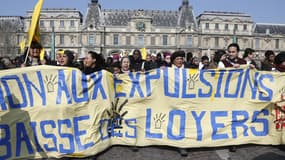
(233,59)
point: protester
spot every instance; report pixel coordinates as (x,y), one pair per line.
(159,62)
(136,61)
(268,63)
(93,62)
(148,64)
(204,64)
(194,63)
(232,59)
(67,59)
(167,60)
(177,61)
(125,65)
(219,56)
(248,56)
(279,62)
(33,57)
(116,68)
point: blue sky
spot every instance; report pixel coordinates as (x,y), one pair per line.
(262,11)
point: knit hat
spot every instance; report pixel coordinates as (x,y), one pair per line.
(177,54)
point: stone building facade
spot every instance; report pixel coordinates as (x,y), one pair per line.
(120,31)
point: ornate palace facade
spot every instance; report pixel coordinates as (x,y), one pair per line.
(113,31)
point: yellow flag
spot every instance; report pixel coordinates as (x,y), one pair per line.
(34,31)
(144,53)
(22,45)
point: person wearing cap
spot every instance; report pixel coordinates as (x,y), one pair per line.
(279,62)
(177,59)
(93,62)
(33,57)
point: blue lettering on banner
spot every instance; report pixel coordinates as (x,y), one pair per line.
(219,84)
(41,90)
(182,117)
(228,83)
(262,121)
(148,78)
(148,132)
(78,133)
(216,126)
(2,100)
(168,85)
(22,136)
(62,88)
(10,95)
(135,84)
(67,136)
(207,83)
(5,141)
(268,93)
(84,91)
(236,122)
(198,119)
(49,134)
(97,78)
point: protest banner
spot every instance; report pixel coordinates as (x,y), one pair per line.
(49,111)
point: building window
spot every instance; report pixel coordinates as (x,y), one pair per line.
(116,39)
(217,26)
(51,23)
(140,40)
(235,27)
(61,23)
(257,43)
(189,41)
(217,42)
(18,39)
(165,40)
(277,43)
(72,24)
(91,40)
(152,41)
(244,27)
(226,27)
(42,24)
(128,40)
(61,39)
(207,26)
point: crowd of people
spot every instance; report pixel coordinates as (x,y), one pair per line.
(94,62)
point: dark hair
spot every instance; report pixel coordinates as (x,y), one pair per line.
(268,53)
(234,45)
(35,44)
(189,56)
(248,51)
(100,62)
(204,58)
(218,55)
(280,58)
(70,55)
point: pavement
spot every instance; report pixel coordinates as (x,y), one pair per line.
(244,152)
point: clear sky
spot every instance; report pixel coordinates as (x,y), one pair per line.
(262,11)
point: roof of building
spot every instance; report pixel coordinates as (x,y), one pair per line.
(270,28)
(116,17)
